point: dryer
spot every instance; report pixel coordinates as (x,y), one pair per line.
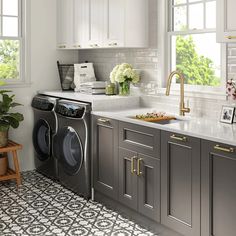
(71,146)
(45,126)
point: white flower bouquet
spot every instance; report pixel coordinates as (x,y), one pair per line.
(124,74)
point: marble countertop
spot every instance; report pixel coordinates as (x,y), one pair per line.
(124,108)
(197,127)
(98,102)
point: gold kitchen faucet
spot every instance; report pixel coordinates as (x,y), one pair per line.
(182,108)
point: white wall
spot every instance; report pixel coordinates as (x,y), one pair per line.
(43,72)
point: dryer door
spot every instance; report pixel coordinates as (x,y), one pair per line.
(42,139)
(68,150)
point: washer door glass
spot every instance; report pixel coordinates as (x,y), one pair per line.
(41,139)
(69,150)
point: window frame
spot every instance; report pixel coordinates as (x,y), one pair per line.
(24,41)
(164,49)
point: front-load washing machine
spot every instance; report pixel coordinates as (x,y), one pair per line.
(45,127)
(71,146)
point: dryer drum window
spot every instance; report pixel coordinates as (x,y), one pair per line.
(41,139)
(70,150)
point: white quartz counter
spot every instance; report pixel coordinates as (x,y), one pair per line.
(98,102)
(196,127)
(124,108)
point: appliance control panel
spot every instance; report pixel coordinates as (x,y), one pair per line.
(70,110)
(42,104)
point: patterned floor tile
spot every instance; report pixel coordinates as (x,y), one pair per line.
(43,207)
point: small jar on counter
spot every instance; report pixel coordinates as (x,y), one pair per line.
(110,88)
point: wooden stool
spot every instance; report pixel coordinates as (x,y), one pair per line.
(11,174)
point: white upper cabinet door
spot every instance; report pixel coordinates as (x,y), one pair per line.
(102,24)
(78,24)
(114,19)
(136,23)
(226,21)
(64,24)
(94,24)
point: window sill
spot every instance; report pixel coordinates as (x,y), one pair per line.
(216,95)
(11,85)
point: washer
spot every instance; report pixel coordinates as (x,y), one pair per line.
(71,146)
(45,127)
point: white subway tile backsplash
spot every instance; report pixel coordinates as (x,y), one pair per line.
(146,62)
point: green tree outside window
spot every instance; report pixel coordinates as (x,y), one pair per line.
(9,59)
(197,69)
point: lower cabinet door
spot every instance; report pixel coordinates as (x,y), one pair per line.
(218,183)
(180,183)
(128,194)
(148,171)
(105,156)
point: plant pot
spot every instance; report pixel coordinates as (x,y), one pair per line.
(124,88)
(3,138)
(3,164)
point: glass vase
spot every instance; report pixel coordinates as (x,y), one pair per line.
(124,88)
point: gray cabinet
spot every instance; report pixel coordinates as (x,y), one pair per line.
(149,186)
(218,166)
(139,183)
(180,181)
(140,139)
(105,156)
(139,169)
(128,194)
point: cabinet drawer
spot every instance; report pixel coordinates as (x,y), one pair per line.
(223,150)
(140,139)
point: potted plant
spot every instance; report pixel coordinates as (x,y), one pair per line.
(124,74)
(7,119)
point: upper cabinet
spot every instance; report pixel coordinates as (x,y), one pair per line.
(226,23)
(64,23)
(114,23)
(79,14)
(93,24)
(70,23)
(102,23)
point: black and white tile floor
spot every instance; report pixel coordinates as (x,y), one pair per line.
(43,207)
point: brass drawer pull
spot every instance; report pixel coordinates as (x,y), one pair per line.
(223,149)
(133,171)
(139,172)
(231,37)
(178,138)
(62,46)
(112,44)
(103,120)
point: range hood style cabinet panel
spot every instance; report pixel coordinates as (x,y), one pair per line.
(226,23)
(185,183)
(86,24)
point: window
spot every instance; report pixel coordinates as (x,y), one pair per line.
(192,43)
(11,41)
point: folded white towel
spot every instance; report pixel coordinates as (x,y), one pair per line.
(95,84)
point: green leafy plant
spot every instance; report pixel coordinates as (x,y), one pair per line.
(7,118)
(197,69)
